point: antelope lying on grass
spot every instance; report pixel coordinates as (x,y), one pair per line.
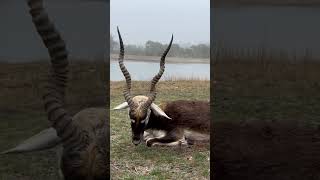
(85,136)
(177,118)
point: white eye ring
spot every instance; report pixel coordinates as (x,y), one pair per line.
(147,118)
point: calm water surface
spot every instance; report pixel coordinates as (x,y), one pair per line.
(146,71)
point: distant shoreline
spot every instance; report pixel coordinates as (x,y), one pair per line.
(155,59)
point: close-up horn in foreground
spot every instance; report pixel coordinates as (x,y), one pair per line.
(84,138)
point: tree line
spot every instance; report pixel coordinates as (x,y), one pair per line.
(152,48)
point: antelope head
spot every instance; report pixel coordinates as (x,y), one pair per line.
(140,106)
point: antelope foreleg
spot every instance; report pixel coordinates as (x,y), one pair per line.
(172,138)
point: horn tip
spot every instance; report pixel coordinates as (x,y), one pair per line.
(6,152)
(118,31)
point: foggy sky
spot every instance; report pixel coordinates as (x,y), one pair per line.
(291,28)
(156,20)
(82,23)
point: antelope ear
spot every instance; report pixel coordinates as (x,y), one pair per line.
(122,106)
(158,111)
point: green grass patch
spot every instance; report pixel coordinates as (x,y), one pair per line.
(267,90)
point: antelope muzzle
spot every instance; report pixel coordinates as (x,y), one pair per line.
(137,132)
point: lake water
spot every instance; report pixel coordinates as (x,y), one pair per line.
(146,71)
(288,27)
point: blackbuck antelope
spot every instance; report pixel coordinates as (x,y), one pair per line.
(84,138)
(178,119)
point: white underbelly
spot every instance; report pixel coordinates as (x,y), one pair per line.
(187,135)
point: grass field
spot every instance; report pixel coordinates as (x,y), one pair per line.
(264,90)
(22,115)
(142,162)
(266,119)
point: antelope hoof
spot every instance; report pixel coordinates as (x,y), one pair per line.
(190,141)
(183,143)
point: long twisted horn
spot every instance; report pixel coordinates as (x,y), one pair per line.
(55,89)
(157,77)
(125,72)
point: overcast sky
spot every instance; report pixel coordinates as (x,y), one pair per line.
(156,20)
(82,23)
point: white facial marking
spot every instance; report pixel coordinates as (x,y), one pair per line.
(147,118)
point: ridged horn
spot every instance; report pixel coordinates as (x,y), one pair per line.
(55,88)
(45,139)
(125,72)
(157,77)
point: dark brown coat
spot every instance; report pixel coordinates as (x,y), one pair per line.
(186,115)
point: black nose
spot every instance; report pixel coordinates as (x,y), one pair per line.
(136,140)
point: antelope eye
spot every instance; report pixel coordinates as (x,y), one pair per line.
(147,116)
(131,114)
